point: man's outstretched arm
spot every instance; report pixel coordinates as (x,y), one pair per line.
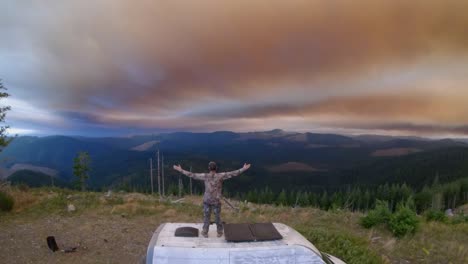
(196,176)
(229,174)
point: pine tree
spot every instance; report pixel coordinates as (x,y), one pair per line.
(313,199)
(81,169)
(323,202)
(359,199)
(337,200)
(4,140)
(282,198)
(385,196)
(423,199)
(405,191)
(262,197)
(393,197)
(366,200)
(304,199)
(292,198)
(354,199)
(410,203)
(251,196)
(464,191)
(450,194)
(269,195)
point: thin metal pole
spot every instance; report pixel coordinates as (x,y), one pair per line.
(151,173)
(191,193)
(159,178)
(162,167)
(180,186)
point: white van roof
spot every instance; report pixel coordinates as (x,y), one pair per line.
(165,247)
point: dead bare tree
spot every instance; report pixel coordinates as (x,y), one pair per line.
(191,193)
(151,174)
(159,177)
(162,175)
(180,186)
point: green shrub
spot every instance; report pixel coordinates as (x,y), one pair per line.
(459,218)
(379,215)
(6,201)
(436,215)
(403,221)
(347,247)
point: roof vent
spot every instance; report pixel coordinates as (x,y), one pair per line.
(186,231)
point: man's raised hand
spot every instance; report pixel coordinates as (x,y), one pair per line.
(246,166)
(177,167)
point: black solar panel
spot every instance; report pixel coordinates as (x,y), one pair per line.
(251,232)
(265,231)
(238,233)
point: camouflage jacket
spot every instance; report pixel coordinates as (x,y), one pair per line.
(213,183)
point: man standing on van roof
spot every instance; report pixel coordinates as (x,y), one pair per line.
(213,190)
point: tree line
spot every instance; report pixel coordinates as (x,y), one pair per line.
(436,196)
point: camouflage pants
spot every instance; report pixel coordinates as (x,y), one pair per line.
(207,208)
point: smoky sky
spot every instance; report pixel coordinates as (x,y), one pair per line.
(115,66)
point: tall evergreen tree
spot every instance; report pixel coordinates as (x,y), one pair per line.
(269,195)
(304,199)
(385,196)
(323,202)
(366,201)
(405,192)
(423,199)
(252,196)
(313,199)
(464,190)
(81,169)
(292,197)
(4,140)
(282,198)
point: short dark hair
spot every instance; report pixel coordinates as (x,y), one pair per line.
(212,166)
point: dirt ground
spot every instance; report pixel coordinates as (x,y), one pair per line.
(116,230)
(100,239)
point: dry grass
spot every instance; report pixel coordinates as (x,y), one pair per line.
(24,200)
(129,219)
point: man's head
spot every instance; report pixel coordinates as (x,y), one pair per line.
(212,166)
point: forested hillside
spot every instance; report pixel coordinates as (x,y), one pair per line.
(296,162)
(35,179)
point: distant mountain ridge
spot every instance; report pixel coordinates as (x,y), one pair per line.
(321,159)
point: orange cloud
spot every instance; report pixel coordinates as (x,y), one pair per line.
(221,64)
